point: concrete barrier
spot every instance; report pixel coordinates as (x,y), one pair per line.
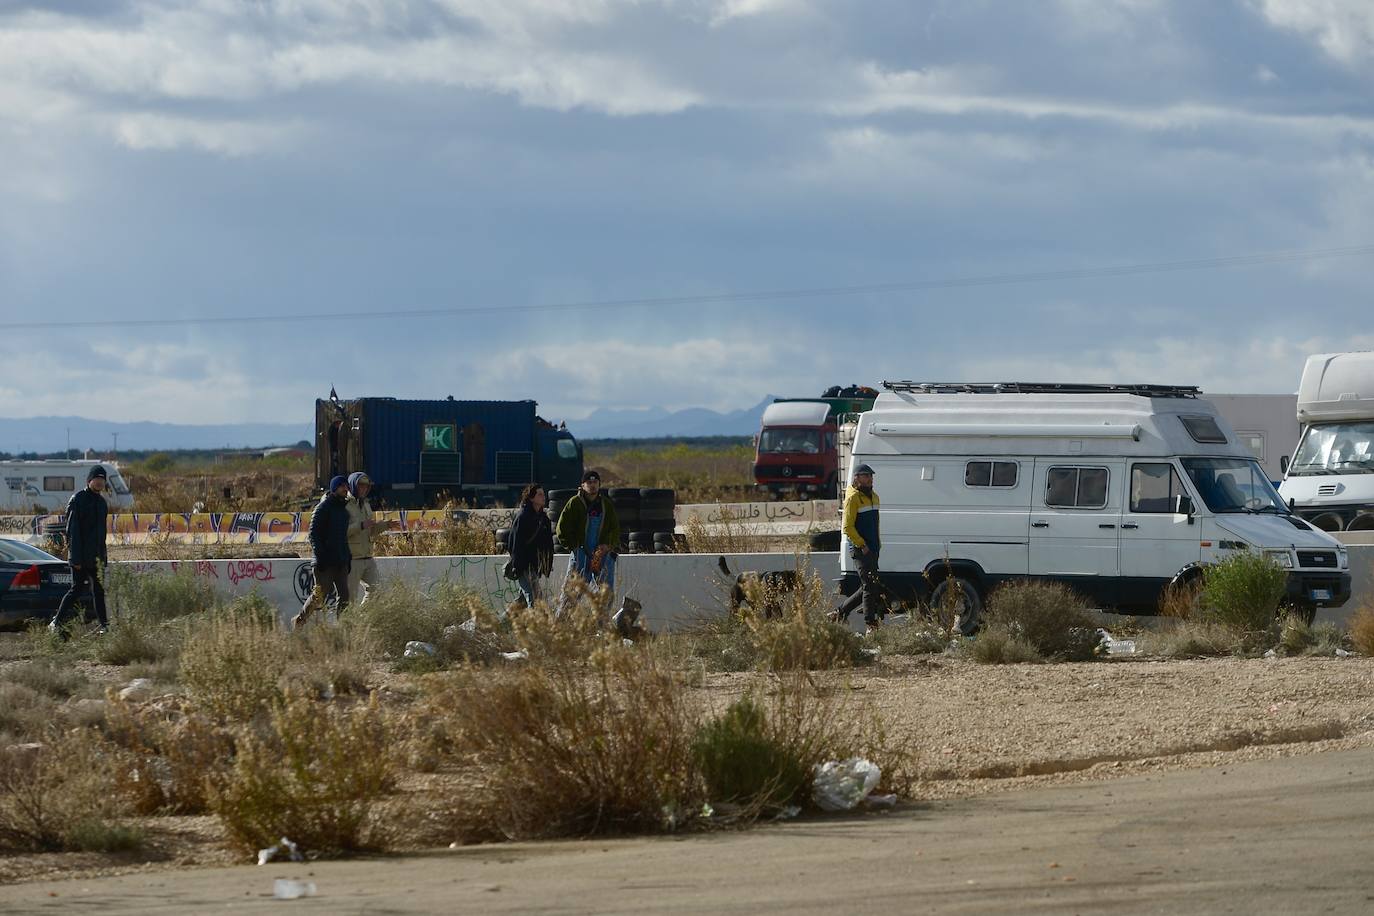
(674,588)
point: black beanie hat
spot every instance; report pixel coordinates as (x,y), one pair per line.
(97,471)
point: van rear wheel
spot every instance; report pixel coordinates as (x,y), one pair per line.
(956,599)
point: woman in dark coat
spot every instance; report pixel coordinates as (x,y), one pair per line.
(531,544)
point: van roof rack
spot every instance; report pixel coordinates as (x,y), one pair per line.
(1144,391)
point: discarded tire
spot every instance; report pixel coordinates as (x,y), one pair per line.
(502,540)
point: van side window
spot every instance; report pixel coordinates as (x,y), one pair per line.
(1076,488)
(990,474)
(59,484)
(1155,488)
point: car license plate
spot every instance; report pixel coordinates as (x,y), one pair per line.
(1321,594)
(60,578)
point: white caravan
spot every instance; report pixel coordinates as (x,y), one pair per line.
(46,486)
(1113,490)
(1331,479)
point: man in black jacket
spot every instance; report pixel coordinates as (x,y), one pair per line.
(86,513)
(329,543)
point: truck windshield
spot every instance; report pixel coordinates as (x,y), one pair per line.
(1234,485)
(1335,448)
(785,440)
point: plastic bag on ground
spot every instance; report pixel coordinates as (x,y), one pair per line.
(285,846)
(416,649)
(840,785)
(287,889)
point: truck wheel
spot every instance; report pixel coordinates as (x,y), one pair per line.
(961,596)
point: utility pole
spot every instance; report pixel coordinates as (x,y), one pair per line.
(116,445)
(68,453)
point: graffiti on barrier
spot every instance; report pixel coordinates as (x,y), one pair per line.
(485,576)
(303,580)
(255,570)
(216,527)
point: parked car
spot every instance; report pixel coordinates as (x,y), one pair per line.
(32,583)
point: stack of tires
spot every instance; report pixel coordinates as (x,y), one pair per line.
(656,519)
(557,500)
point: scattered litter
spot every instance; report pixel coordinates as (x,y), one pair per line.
(516,656)
(292,851)
(415,649)
(1113,646)
(287,889)
(881,801)
(786,814)
(1270,654)
(470,625)
(1342,653)
(839,785)
(707,810)
(873,652)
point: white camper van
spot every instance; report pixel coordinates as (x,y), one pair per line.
(46,486)
(1330,481)
(1114,490)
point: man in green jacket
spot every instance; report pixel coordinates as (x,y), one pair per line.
(589,529)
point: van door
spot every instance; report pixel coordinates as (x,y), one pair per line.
(1073,524)
(1156,541)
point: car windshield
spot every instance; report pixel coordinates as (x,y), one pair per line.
(12,551)
(789,440)
(1233,485)
(1335,448)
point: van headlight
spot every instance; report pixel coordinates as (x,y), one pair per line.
(1282,557)
(1344,556)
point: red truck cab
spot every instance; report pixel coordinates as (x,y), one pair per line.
(796,448)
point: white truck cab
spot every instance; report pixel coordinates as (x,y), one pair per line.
(47,485)
(1330,480)
(1113,490)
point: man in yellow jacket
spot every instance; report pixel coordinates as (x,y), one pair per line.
(861,531)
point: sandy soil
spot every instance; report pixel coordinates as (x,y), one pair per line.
(980,729)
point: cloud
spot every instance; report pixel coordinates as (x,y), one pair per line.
(229,138)
(1344,29)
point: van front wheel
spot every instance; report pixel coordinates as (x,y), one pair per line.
(955,599)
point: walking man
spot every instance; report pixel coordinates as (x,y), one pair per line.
(362,524)
(589,528)
(861,531)
(329,543)
(531,544)
(86,512)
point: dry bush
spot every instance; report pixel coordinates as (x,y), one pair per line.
(48,678)
(1193,639)
(726,536)
(1298,637)
(315,775)
(997,645)
(1181,600)
(462,537)
(1362,630)
(62,796)
(721,473)
(25,713)
(328,661)
(155,597)
(231,666)
(170,757)
(559,748)
(917,637)
(1050,617)
(397,612)
(1243,592)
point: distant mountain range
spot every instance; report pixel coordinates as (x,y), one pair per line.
(47,435)
(656,422)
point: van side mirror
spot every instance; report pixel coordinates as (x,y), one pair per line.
(1283,464)
(1183,505)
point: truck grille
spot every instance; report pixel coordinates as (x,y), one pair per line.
(787,471)
(1327,490)
(1325,559)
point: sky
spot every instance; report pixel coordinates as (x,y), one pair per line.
(343,160)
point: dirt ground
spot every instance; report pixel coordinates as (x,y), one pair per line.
(985,729)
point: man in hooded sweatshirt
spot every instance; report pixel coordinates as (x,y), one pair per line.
(361,526)
(86,513)
(588,527)
(861,531)
(329,543)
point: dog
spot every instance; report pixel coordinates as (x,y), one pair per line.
(627,623)
(774,584)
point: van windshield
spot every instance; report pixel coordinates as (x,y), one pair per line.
(1335,448)
(780,440)
(1234,485)
(118,485)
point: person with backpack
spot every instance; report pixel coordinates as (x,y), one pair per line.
(329,544)
(86,554)
(531,544)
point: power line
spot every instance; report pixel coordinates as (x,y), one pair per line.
(1251,260)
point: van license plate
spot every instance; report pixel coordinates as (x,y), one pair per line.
(1321,594)
(60,578)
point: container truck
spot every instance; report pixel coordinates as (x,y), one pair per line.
(1330,480)
(423,453)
